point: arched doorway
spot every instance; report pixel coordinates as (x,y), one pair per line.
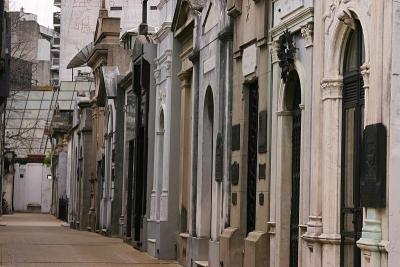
(292,102)
(207,162)
(352,127)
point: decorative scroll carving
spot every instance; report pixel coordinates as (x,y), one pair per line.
(274,51)
(307,32)
(332,12)
(286,54)
(365,75)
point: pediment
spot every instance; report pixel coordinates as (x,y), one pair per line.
(183,15)
(210,18)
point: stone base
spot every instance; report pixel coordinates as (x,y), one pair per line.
(152,247)
(231,247)
(197,250)
(182,241)
(213,253)
(255,247)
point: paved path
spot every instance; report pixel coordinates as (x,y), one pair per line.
(41,240)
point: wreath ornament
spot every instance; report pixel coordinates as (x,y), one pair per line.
(286,54)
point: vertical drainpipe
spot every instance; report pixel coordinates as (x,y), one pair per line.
(195,97)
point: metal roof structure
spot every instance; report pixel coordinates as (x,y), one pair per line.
(29,113)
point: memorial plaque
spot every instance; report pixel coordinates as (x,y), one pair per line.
(261,171)
(209,65)
(219,159)
(262,132)
(283,8)
(235,173)
(373,176)
(234,199)
(249,60)
(261,199)
(236,137)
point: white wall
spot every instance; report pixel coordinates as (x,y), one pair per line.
(43,50)
(31,186)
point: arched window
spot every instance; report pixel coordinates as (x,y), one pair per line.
(352,127)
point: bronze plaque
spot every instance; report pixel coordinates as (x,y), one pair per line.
(235,173)
(219,159)
(236,137)
(262,132)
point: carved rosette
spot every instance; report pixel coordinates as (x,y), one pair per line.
(332,89)
(307,32)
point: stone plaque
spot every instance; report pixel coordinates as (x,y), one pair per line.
(373,177)
(262,132)
(261,171)
(235,173)
(219,159)
(283,8)
(249,60)
(208,65)
(234,199)
(236,137)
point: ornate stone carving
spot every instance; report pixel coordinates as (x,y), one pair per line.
(162,95)
(365,75)
(332,12)
(331,89)
(274,51)
(157,74)
(307,32)
(168,68)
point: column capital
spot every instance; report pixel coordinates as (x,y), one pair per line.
(274,51)
(365,74)
(185,78)
(332,88)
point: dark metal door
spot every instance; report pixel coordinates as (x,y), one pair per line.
(296,145)
(252,158)
(130,191)
(138,185)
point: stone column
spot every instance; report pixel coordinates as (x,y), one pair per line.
(185,165)
(331,172)
(371,238)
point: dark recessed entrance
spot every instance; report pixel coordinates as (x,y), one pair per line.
(252,158)
(352,127)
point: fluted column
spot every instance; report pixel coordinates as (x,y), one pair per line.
(331,90)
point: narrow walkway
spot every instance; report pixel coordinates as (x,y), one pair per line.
(41,240)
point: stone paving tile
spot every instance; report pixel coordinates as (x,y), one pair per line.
(40,240)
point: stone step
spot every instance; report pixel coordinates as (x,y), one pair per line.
(201,263)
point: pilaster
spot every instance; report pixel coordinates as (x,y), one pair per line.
(331,174)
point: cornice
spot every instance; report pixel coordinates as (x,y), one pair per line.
(293,22)
(163,31)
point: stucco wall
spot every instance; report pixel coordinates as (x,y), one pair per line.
(31,186)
